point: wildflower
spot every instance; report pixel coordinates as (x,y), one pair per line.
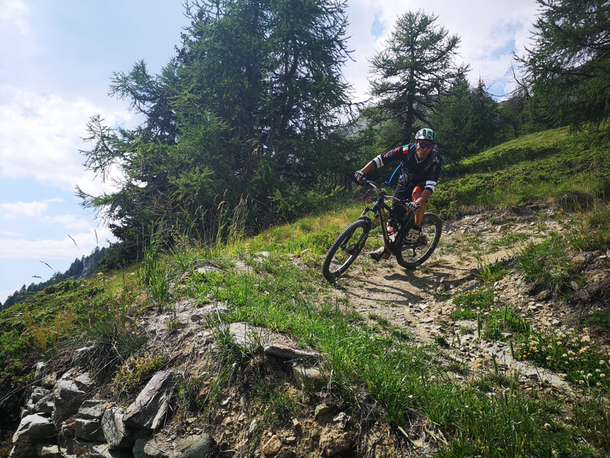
(602,375)
(564,355)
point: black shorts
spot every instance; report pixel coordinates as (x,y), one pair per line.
(404,192)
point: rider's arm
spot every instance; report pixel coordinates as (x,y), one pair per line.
(382,160)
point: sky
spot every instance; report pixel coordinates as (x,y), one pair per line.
(56,64)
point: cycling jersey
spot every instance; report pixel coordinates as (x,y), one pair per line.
(413,170)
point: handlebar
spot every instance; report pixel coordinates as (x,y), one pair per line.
(364,182)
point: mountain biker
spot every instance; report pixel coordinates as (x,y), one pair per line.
(421,166)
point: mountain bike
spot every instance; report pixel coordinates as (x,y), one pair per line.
(351,241)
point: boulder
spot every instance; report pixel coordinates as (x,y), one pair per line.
(192,447)
(34,427)
(188,447)
(89,429)
(48,451)
(115,432)
(68,399)
(97,450)
(151,405)
(92,409)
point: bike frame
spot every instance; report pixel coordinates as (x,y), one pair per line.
(382,211)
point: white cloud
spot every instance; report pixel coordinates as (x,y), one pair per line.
(10,234)
(488,33)
(68,221)
(20,209)
(14,13)
(41,135)
(69,247)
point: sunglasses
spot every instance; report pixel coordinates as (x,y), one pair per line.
(426,145)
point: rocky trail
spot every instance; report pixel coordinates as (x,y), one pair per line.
(420,301)
(68,414)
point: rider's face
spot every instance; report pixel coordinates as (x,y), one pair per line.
(423,149)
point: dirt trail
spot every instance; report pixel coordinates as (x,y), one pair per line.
(421,300)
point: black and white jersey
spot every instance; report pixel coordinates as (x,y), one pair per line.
(414,171)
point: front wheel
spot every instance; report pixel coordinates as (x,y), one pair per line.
(412,255)
(346,249)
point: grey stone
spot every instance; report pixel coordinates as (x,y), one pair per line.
(39,368)
(155,448)
(84,381)
(46,405)
(322,410)
(286,352)
(115,432)
(68,398)
(92,409)
(34,427)
(48,451)
(89,430)
(151,405)
(97,450)
(38,393)
(138,447)
(247,337)
(192,447)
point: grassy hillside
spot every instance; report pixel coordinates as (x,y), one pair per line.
(377,369)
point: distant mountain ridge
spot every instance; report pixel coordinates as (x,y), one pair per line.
(81,268)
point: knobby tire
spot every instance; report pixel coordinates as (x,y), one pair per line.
(346,249)
(410,256)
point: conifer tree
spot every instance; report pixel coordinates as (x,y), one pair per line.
(568,66)
(415,68)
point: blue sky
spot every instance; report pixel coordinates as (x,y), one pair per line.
(57,59)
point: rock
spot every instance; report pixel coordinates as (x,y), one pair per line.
(46,405)
(246,336)
(307,372)
(92,408)
(138,447)
(84,381)
(342,420)
(151,405)
(115,432)
(322,410)
(39,369)
(34,427)
(68,399)
(252,427)
(97,450)
(155,448)
(286,352)
(192,447)
(37,394)
(272,446)
(47,451)
(89,430)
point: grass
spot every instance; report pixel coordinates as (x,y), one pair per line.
(485,413)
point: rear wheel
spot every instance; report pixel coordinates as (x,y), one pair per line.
(412,255)
(346,249)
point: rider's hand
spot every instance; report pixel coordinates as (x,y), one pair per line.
(359,175)
(413,206)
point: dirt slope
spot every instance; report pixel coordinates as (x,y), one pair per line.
(421,300)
